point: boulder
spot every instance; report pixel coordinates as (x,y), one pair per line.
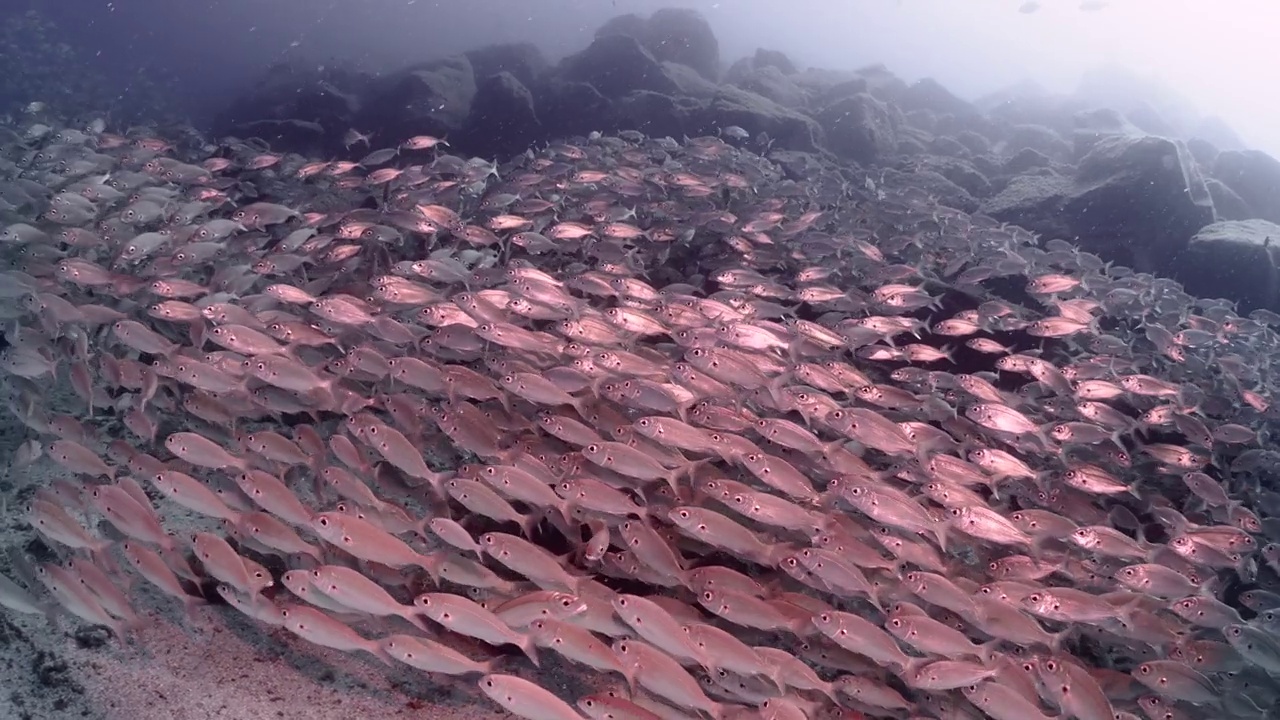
(1093,125)
(690,82)
(523,60)
(881,82)
(684,36)
(1040,138)
(1255,176)
(744,67)
(568,109)
(296,109)
(1149,120)
(771,83)
(617,65)
(945,145)
(861,128)
(1137,200)
(631,25)
(1027,104)
(774,59)
(910,146)
(1205,152)
(1233,259)
(658,115)
(925,120)
(956,123)
(827,86)
(976,142)
(1026,159)
(432,98)
(1033,201)
(502,122)
(992,167)
(933,183)
(958,171)
(1215,130)
(929,94)
(1227,205)
(754,113)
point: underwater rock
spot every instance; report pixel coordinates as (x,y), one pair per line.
(523,60)
(1227,203)
(684,36)
(432,98)
(976,142)
(574,108)
(929,94)
(1032,201)
(774,59)
(616,65)
(948,146)
(1203,151)
(1214,130)
(958,171)
(1255,176)
(658,115)
(1026,159)
(861,128)
(502,121)
(690,82)
(754,113)
(1138,199)
(1235,259)
(296,108)
(1042,139)
(882,83)
(1058,164)
(1094,125)
(770,82)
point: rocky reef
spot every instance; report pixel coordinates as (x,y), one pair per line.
(1119,167)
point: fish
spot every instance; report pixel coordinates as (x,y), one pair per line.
(526,699)
(368,541)
(660,674)
(1176,681)
(464,616)
(317,627)
(577,644)
(353,590)
(665,362)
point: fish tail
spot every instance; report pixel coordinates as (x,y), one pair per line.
(989,651)
(375,649)
(411,615)
(189,605)
(529,523)
(1057,639)
(531,650)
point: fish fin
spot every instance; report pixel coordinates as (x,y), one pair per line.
(417,622)
(529,523)
(1057,639)
(530,649)
(989,651)
(431,563)
(1210,586)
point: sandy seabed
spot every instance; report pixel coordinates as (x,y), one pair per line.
(215,664)
(221,665)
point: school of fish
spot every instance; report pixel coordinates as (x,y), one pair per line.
(734,443)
